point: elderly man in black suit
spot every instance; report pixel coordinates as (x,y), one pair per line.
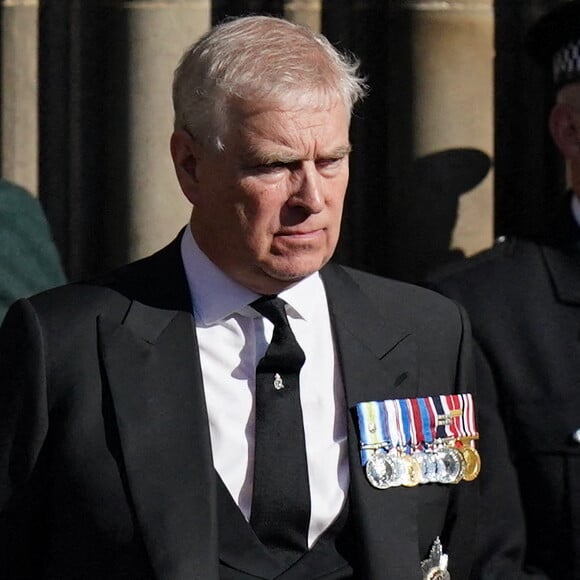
(523,298)
(235,406)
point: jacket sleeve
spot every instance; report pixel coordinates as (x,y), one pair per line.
(501,533)
(23,430)
(463,511)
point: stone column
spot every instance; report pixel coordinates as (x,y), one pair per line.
(19,90)
(145,207)
(305,12)
(448,96)
(453,70)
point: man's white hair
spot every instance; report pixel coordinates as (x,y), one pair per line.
(258,58)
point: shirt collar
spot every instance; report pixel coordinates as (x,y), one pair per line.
(305,297)
(215,296)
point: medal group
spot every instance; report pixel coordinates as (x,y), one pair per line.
(417,441)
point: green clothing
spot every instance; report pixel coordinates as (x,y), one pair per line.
(29,261)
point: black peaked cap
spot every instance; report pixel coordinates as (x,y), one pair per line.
(554,41)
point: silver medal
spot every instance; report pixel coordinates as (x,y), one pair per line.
(450,465)
(428,466)
(383,470)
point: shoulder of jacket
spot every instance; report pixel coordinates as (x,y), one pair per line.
(409,295)
(507,253)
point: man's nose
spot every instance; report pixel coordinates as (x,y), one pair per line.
(309,193)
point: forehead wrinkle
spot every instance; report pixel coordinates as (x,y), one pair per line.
(275,135)
(282,156)
(292,147)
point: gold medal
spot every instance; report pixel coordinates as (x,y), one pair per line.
(472,462)
(411,471)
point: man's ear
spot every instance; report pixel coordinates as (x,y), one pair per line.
(186,153)
(564,126)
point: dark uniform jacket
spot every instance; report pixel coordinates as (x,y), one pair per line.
(523,299)
(105,461)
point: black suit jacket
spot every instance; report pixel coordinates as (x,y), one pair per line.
(105,459)
(523,299)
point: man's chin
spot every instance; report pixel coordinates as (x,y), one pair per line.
(292,273)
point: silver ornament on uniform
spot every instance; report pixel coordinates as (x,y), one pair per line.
(417,441)
(435,566)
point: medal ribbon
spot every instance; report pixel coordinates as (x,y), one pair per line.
(427,419)
(451,404)
(418,437)
(469,427)
(393,422)
(439,413)
(406,424)
(372,426)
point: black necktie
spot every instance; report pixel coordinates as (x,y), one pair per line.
(280,512)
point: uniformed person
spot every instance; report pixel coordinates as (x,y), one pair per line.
(523,297)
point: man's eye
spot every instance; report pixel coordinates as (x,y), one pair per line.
(267,167)
(330,162)
(264,168)
(273,166)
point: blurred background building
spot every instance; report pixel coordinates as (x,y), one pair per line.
(449,147)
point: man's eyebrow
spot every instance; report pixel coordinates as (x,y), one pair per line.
(339,152)
(265,158)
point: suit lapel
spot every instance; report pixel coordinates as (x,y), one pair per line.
(152,368)
(378,361)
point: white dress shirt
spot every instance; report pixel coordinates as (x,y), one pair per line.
(232,338)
